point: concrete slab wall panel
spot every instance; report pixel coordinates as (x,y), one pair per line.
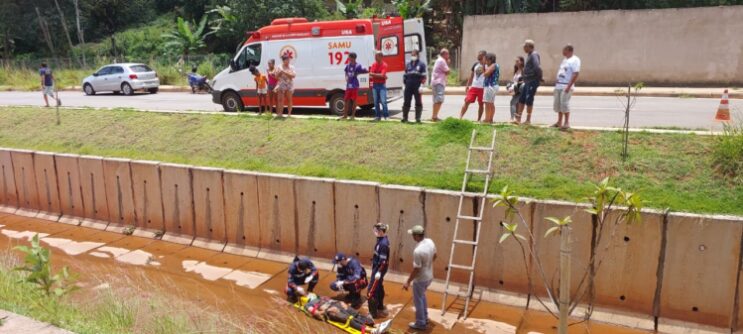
(118,178)
(70,191)
(93,189)
(148,205)
(700,270)
(208,196)
(25,176)
(401,208)
(627,262)
(315,217)
(356,211)
(441,215)
(46,185)
(548,249)
(177,196)
(502,265)
(8,194)
(278,219)
(242,219)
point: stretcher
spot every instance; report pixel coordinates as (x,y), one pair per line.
(346,326)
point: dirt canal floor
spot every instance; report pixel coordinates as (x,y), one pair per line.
(246,293)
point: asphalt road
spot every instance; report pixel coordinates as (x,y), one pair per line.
(588,111)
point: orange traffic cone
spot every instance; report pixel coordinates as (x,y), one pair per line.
(723,112)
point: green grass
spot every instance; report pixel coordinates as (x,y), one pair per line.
(669,170)
(128,304)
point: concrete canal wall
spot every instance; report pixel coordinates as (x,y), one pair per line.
(673,266)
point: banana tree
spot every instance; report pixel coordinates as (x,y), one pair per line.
(186,40)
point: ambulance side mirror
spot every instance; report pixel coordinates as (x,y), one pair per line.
(233,65)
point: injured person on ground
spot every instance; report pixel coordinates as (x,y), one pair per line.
(339,314)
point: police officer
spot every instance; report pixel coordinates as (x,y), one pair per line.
(302,271)
(379,269)
(351,278)
(415,75)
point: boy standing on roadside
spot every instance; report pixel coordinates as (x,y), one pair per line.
(261,85)
(353,69)
(47,84)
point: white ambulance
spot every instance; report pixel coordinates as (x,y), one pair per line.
(319,53)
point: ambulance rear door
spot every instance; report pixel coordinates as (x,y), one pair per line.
(415,39)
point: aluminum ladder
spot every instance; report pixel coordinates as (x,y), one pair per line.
(468,173)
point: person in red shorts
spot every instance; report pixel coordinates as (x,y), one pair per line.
(476,90)
(353,69)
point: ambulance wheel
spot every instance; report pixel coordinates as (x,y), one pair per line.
(337,104)
(231,102)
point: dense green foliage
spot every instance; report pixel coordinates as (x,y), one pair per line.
(100,20)
(669,170)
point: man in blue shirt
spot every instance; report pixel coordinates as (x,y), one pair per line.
(415,75)
(47,84)
(379,269)
(301,271)
(353,69)
(351,278)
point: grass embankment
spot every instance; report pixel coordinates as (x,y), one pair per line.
(669,170)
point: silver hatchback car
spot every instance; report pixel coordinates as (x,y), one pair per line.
(122,78)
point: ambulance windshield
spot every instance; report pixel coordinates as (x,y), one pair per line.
(249,56)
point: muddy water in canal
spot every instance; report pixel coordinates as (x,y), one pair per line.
(246,293)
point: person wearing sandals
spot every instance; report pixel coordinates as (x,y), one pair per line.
(515,86)
(272,82)
(285,86)
(490,86)
(567,75)
(438,82)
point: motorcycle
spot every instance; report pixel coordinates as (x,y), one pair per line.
(199,83)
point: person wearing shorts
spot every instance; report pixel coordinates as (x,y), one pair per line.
(272,82)
(352,70)
(438,82)
(532,76)
(567,75)
(490,86)
(47,84)
(475,92)
(285,74)
(261,89)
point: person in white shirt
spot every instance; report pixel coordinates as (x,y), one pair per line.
(567,75)
(422,275)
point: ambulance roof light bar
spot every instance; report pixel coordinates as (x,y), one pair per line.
(254,34)
(289,20)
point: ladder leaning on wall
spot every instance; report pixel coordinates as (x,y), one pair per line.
(468,173)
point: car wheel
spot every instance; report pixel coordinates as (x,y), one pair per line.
(231,102)
(337,104)
(127,89)
(153,90)
(88,89)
